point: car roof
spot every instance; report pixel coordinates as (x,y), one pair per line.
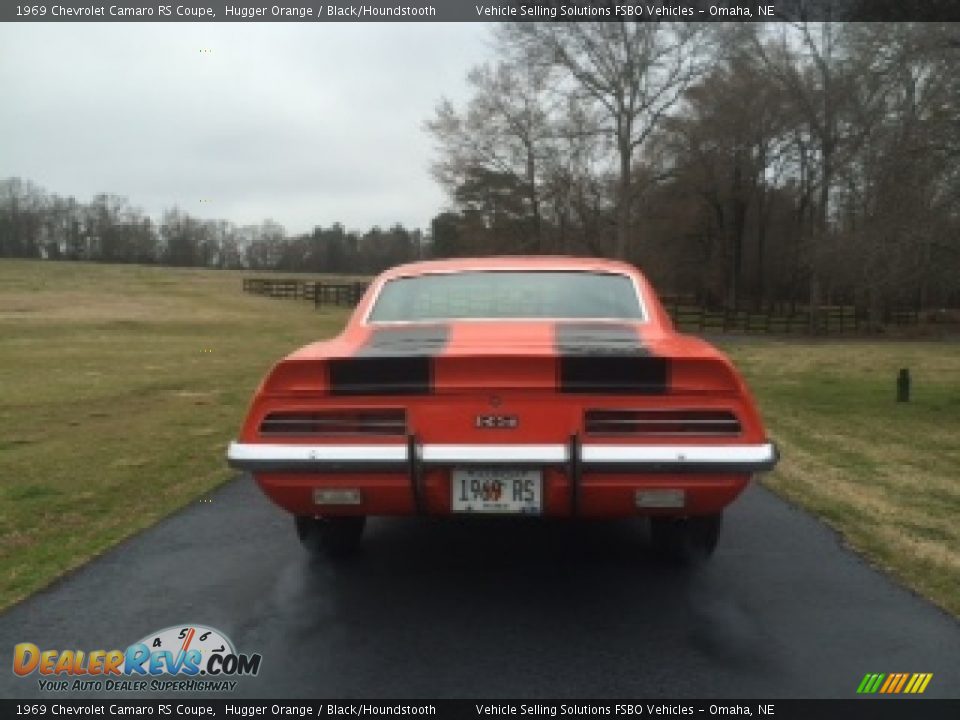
(511,262)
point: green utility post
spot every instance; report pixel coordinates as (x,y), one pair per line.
(903,385)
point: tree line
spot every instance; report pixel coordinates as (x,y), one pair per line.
(38,224)
(746,164)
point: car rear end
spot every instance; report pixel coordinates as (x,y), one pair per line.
(527,432)
(564,417)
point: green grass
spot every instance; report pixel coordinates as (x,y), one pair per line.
(121,385)
(884,474)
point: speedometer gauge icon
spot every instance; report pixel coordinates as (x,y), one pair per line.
(179,640)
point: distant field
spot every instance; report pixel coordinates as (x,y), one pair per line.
(121,385)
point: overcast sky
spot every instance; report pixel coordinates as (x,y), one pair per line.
(307,124)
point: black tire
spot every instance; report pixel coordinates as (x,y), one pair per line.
(686,541)
(335,537)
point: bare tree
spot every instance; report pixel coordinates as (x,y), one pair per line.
(633,72)
(726,147)
(900,190)
(504,132)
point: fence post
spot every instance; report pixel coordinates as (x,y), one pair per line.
(903,385)
(359,289)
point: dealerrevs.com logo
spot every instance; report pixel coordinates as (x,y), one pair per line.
(186,658)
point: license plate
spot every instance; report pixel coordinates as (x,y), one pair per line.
(496,490)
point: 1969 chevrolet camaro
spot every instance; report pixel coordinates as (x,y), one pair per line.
(533,386)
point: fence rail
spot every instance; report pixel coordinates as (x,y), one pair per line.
(320,293)
(829,321)
(687,316)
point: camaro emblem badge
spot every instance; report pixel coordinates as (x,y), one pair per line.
(498,422)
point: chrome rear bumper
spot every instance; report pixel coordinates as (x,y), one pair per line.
(274,457)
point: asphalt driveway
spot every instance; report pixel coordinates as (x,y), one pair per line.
(503,608)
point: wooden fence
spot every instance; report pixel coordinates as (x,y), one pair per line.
(320,293)
(688,317)
(830,321)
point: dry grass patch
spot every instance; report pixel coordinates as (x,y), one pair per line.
(885,474)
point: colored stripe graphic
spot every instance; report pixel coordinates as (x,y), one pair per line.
(897,685)
(894,683)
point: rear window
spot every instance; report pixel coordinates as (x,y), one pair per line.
(508,295)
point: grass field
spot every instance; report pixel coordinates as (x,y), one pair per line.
(121,385)
(885,474)
(119,389)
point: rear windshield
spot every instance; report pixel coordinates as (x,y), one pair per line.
(508,295)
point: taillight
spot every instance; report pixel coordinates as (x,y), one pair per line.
(661,422)
(335,422)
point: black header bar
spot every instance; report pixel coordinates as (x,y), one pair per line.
(478,10)
(863,709)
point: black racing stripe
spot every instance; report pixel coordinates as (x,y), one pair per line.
(598,339)
(614,375)
(608,359)
(410,375)
(404,341)
(393,361)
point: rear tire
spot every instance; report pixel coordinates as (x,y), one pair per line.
(686,541)
(335,537)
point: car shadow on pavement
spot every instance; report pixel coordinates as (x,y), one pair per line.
(466,594)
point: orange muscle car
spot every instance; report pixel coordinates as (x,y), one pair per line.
(525,385)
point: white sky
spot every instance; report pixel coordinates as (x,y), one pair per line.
(307,124)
